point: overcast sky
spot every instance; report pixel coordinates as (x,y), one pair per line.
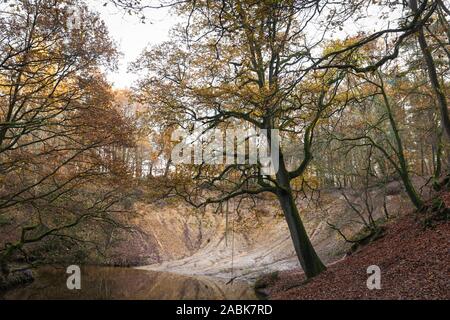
(132,36)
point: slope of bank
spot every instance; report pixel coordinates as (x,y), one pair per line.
(245,246)
(243,241)
(414,263)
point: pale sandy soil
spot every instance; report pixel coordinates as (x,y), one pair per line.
(264,245)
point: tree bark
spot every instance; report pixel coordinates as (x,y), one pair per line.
(309,260)
(432,73)
(403,169)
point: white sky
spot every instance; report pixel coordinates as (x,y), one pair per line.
(132,36)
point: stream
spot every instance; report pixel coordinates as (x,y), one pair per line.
(107,283)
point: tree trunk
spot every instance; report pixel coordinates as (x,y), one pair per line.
(4,268)
(437,156)
(167,169)
(309,260)
(432,73)
(411,191)
(402,170)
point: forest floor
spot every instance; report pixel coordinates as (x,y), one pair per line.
(414,263)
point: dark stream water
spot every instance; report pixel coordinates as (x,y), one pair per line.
(127,283)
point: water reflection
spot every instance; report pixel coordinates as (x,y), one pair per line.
(126,283)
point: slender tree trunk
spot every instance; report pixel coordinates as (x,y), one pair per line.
(403,170)
(167,169)
(432,73)
(309,260)
(3,268)
(411,191)
(4,259)
(437,155)
(422,160)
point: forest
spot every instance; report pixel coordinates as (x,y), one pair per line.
(285,145)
